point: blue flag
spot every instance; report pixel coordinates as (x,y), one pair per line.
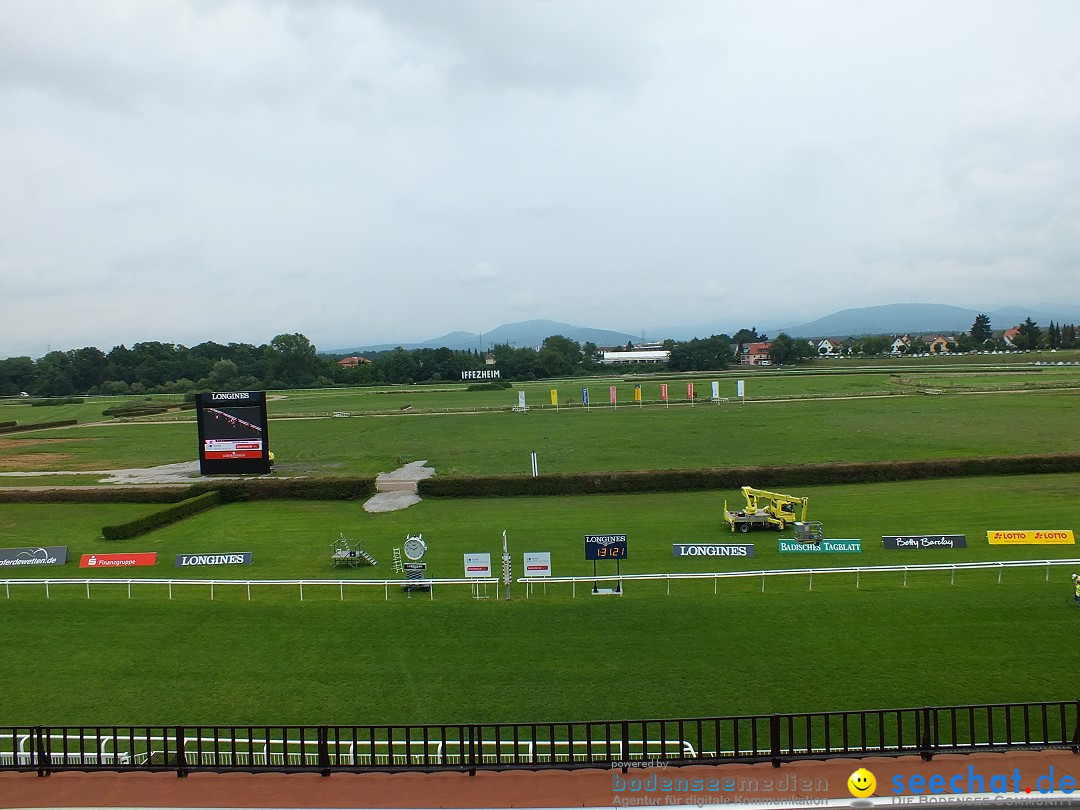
(584,396)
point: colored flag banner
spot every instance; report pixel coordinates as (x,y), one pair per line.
(741,389)
(521,400)
(716,390)
(555,396)
(637,393)
(690,391)
(613,395)
(663,391)
(585,396)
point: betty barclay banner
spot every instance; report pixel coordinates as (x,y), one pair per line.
(117,560)
(554,396)
(233,558)
(637,393)
(612,392)
(823,547)
(42,555)
(901,541)
(1031,538)
(584,396)
(663,391)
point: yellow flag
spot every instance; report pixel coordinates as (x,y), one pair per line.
(637,393)
(554,396)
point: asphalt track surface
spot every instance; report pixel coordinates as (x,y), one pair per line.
(811,783)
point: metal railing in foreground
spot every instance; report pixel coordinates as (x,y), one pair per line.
(775,738)
(341,585)
(857,570)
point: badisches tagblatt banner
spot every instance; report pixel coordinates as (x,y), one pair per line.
(33,556)
(1041,537)
(117,560)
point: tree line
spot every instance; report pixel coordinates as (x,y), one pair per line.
(292,361)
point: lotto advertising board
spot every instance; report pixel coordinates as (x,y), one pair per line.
(232,433)
(1042,537)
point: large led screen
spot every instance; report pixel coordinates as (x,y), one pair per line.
(232,433)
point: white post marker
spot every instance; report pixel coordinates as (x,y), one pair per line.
(507,569)
(741,387)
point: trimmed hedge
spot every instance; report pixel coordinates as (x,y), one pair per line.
(301,489)
(45,403)
(162,517)
(641,481)
(8,424)
(39,426)
(102,494)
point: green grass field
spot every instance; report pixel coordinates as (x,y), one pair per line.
(776,432)
(937,639)
(691,652)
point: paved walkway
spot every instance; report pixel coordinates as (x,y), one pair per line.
(802,784)
(397,490)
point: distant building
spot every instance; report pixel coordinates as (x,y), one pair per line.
(900,345)
(636,355)
(352,362)
(829,347)
(755,354)
(939,344)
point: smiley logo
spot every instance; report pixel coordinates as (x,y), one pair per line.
(861,783)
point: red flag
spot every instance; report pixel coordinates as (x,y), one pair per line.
(613,395)
(663,391)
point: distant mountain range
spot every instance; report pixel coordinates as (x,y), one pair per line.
(527,334)
(885,319)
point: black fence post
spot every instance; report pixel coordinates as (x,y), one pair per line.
(1076,728)
(322,736)
(774,739)
(39,752)
(925,745)
(181,756)
(473,734)
(626,743)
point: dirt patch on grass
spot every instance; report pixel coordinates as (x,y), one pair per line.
(7,444)
(31,461)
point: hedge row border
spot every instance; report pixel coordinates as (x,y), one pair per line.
(39,426)
(162,517)
(648,481)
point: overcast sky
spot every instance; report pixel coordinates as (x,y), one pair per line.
(369,172)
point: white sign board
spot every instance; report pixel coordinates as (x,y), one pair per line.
(478,565)
(521,400)
(537,564)
(741,389)
(715,390)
